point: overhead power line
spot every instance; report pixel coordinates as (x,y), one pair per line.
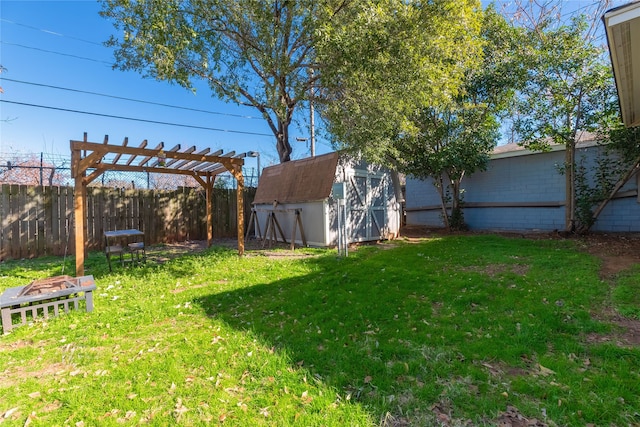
(57,53)
(134,119)
(50,32)
(131,99)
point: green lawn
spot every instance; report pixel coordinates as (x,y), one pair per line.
(456,330)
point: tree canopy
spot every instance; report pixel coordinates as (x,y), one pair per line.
(369,62)
(384,61)
(250,52)
(419,87)
(455,139)
(568,89)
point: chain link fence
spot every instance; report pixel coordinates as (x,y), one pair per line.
(54,169)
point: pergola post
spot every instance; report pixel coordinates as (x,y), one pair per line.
(209,196)
(79,208)
(240,198)
(240,201)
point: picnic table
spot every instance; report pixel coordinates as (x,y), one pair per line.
(116,242)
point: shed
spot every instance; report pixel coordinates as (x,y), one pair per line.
(298,194)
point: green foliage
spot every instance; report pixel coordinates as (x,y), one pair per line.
(616,162)
(454,143)
(623,141)
(221,183)
(595,183)
(250,52)
(586,198)
(568,86)
(456,219)
(383,62)
(567,89)
(470,325)
(455,140)
(426,103)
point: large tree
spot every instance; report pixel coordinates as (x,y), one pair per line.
(252,52)
(455,140)
(385,61)
(419,87)
(370,62)
(568,89)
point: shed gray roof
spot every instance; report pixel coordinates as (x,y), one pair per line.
(298,181)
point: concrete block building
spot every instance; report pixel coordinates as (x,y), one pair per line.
(523,190)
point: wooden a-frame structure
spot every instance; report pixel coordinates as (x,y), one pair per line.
(89,160)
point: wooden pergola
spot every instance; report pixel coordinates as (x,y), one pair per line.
(89,160)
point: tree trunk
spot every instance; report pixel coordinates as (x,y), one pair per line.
(282,142)
(443,203)
(570,172)
(457,217)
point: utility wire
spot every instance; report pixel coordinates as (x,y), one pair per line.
(57,53)
(134,119)
(49,32)
(131,99)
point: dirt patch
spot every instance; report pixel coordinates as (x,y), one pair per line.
(625,334)
(499,370)
(9,346)
(513,418)
(617,252)
(17,374)
(180,290)
(630,328)
(165,252)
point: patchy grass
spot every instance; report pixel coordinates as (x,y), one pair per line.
(626,293)
(449,331)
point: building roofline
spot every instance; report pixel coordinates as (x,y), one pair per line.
(515,150)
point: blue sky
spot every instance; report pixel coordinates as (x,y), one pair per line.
(59,43)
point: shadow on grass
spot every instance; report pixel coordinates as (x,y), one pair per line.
(332,325)
(414,329)
(393,329)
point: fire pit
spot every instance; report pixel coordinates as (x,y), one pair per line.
(40,296)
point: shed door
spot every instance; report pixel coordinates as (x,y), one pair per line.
(367,216)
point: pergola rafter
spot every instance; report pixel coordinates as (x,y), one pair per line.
(89,160)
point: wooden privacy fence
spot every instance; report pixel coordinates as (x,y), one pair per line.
(38,220)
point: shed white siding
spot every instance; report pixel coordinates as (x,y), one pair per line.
(371,204)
